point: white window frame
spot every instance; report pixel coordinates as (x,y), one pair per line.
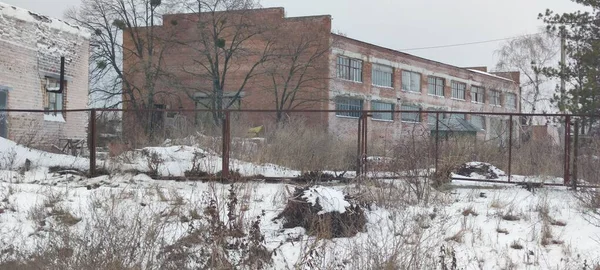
(382,76)
(433,86)
(377,105)
(494,98)
(345,103)
(511,100)
(410,117)
(477,94)
(411,81)
(459,90)
(54,100)
(349,69)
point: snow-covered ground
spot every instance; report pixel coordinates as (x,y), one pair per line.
(482,226)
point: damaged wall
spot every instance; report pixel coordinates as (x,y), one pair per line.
(31,46)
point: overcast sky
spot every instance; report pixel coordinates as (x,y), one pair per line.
(404,24)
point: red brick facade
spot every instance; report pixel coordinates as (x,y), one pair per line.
(181,62)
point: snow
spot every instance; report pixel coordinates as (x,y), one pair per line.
(329,199)
(28,16)
(489,74)
(54,117)
(480,237)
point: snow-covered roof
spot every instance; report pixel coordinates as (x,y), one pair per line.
(489,74)
(7,10)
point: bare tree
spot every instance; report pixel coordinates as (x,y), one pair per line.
(127,51)
(298,75)
(529,55)
(229,48)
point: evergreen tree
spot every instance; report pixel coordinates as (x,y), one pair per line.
(581,71)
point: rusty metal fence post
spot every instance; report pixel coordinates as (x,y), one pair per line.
(437,140)
(575,154)
(92,142)
(361,154)
(226,140)
(510,141)
(567,165)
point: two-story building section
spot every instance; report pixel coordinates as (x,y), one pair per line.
(369,77)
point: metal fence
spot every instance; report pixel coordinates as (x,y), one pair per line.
(364,142)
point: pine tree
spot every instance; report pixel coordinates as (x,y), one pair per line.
(581,71)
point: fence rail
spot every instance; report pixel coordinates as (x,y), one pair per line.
(513,136)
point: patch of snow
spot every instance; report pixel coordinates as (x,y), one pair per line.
(31,17)
(13,156)
(329,199)
(489,74)
(54,117)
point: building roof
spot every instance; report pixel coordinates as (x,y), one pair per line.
(9,11)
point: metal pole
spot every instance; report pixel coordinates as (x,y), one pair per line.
(359,147)
(225,138)
(437,140)
(575,154)
(365,142)
(567,150)
(510,139)
(92,142)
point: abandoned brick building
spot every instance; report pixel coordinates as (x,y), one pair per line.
(355,75)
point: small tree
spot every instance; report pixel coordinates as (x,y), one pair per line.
(126,74)
(229,41)
(298,75)
(530,55)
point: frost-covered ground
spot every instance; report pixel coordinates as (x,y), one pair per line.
(483,226)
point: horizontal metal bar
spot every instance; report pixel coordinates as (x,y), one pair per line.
(516,183)
(303,111)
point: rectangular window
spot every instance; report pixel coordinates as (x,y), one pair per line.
(382,106)
(435,86)
(431,116)
(477,94)
(344,103)
(382,75)
(478,121)
(54,98)
(457,116)
(494,97)
(410,117)
(349,69)
(511,100)
(458,90)
(411,81)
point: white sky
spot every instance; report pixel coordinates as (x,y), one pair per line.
(402,24)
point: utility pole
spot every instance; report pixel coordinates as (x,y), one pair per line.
(563,60)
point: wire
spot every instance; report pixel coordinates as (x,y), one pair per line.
(469,43)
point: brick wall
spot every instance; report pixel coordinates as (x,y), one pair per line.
(371,54)
(31,49)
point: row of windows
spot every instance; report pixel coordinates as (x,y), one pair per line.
(355,106)
(351,69)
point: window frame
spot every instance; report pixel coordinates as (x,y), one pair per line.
(349,114)
(349,70)
(381,69)
(475,93)
(494,95)
(54,100)
(410,84)
(513,104)
(417,113)
(483,122)
(435,86)
(457,88)
(375,115)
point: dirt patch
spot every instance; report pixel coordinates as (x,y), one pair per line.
(319,220)
(479,170)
